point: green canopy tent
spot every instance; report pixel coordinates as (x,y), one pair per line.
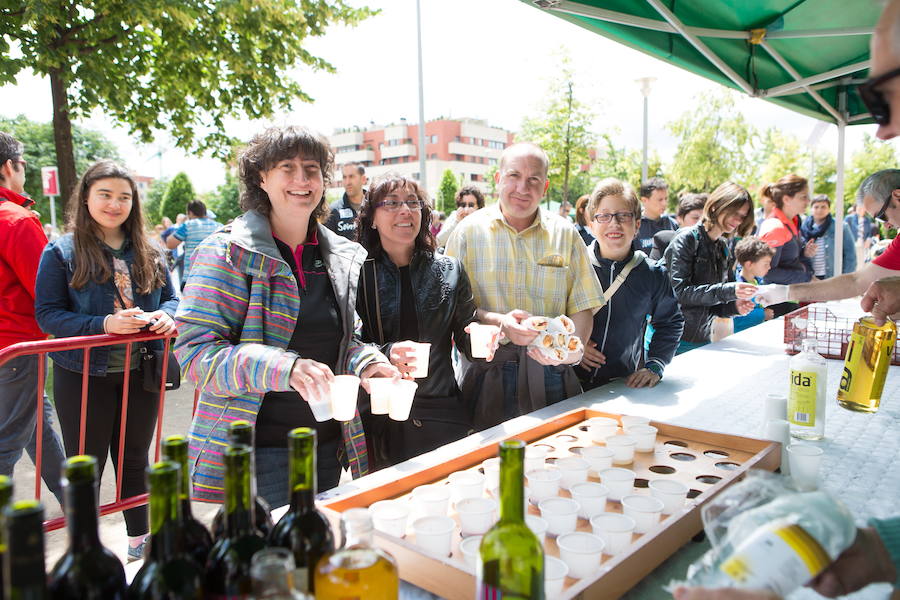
(806,55)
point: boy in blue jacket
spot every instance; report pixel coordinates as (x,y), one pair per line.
(754,258)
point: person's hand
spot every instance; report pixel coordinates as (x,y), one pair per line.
(125,321)
(496,336)
(744,306)
(542,358)
(774,293)
(698,593)
(161,322)
(642,378)
(882,299)
(866,561)
(311,379)
(463,212)
(769,314)
(512,328)
(744,290)
(377,369)
(810,249)
(403,356)
(592,358)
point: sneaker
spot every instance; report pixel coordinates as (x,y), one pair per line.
(136,552)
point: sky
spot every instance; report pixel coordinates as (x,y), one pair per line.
(486,59)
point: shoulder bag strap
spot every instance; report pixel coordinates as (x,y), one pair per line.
(620,278)
(370,290)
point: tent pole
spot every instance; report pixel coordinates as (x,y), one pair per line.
(839,188)
(791,87)
(793,73)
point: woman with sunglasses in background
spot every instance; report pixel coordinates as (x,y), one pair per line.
(468,200)
(410,294)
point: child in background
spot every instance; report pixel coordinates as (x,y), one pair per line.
(754,258)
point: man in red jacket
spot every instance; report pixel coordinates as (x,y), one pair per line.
(22,240)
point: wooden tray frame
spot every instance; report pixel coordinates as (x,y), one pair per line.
(452,579)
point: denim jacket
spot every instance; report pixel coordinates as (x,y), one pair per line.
(63,311)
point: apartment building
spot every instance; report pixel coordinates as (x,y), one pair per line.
(468,147)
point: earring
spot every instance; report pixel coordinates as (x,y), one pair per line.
(373,226)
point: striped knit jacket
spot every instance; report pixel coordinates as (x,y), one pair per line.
(236,318)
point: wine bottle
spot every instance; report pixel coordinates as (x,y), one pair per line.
(358,569)
(241,432)
(87,569)
(511,558)
(228,566)
(272,570)
(303,529)
(169,571)
(24,578)
(196,539)
(6,491)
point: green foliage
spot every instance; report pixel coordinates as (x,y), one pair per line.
(874,155)
(152,202)
(90,146)
(178,193)
(446,200)
(491,184)
(224,201)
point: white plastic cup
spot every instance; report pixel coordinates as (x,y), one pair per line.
(321,410)
(344,390)
(672,493)
(775,408)
(645,510)
(480,339)
(422,352)
(380,394)
(491,468)
(644,437)
(465,484)
(390,516)
(561,515)
(619,481)
(581,552)
(431,500)
(805,461)
(573,470)
(623,449)
(598,457)
(402,394)
(591,497)
(555,572)
(614,529)
(543,484)
(434,534)
(602,428)
(469,548)
(779,430)
(630,421)
(538,526)
(476,515)
(535,458)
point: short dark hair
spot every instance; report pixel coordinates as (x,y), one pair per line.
(752,249)
(359,167)
(275,144)
(652,184)
(196,208)
(691,202)
(383,185)
(10,149)
(470,190)
(821,198)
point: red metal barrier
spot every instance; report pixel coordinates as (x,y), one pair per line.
(40,349)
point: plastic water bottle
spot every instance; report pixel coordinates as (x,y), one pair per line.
(807,392)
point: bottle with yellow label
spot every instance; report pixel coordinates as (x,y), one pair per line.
(869,354)
(807,391)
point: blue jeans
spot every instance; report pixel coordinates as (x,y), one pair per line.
(272,472)
(554,390)
(18,420)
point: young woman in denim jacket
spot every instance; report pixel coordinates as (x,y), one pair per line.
(106,277)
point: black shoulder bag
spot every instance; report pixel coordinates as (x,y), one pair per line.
(152,363)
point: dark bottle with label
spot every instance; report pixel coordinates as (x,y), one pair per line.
(169,572)
(303,529)
(228,566)
(197,539)
(241,432)
(24,578)
(87,569)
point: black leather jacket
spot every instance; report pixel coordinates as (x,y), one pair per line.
(702,275)
(444,306)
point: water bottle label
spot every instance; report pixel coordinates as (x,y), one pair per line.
(802,398)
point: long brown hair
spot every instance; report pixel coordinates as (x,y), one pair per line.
(92,262)
(789,185)
(726,200)
(380,188)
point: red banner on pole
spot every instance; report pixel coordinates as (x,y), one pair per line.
(50,181)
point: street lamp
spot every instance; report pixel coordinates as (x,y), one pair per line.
(644,83)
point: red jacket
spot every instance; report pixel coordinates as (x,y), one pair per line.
(22,240)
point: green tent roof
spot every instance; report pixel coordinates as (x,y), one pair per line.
(799,54)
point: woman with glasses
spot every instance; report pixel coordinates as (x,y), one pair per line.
(634,287)
(268,318)
(700,264)
(468,200)
(409,294)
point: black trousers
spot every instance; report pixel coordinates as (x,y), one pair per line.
(104,410)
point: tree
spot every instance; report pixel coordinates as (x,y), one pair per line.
(874,156)
(152,202)
(183,66)
(225,200)
(178,193)
(447,192)
(90,146)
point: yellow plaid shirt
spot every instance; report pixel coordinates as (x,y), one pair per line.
(544,269)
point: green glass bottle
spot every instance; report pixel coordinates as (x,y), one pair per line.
(169,571)
(511,561)
(6,492)
(87,569)
(241,432)
(303,529)
(196,539)
(228,566)
(24,578)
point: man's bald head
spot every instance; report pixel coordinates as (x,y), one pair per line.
(523,149)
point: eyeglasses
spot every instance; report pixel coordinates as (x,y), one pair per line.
(394,205)
(621,217)
(20,161)
(466,205)
(882,214)
(874,98)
